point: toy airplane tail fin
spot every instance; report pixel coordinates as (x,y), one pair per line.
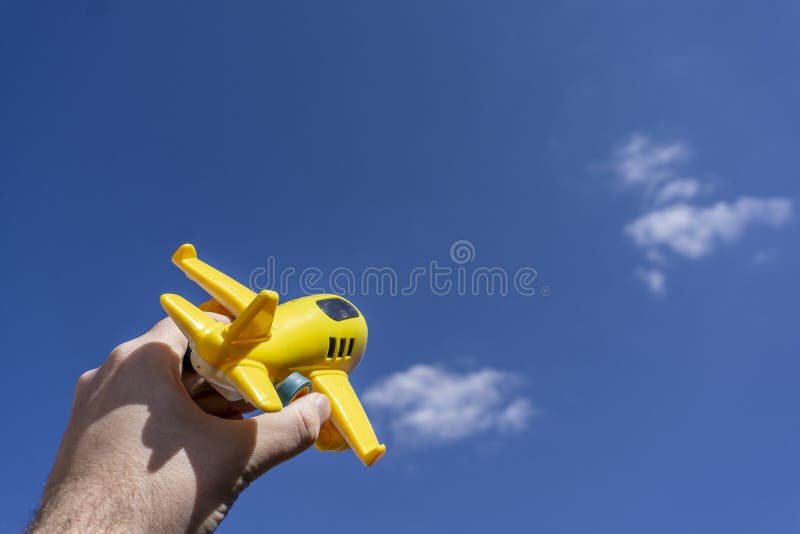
(192,321)
(255,321)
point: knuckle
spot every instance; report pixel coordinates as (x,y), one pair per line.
(86,377)
(119,353)
(158,338)
(117,358)
(83,383)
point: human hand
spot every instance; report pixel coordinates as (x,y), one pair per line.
(149,448)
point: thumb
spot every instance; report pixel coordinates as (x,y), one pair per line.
(285,434)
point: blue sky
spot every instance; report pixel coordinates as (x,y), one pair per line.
(641,157)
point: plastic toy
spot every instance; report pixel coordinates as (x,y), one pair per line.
(307,343)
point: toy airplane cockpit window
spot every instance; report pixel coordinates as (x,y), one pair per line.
(270,354)
(337,309)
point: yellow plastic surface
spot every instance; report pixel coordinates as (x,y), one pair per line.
(266,342)
(348,415)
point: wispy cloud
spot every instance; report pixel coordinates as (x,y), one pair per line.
(639,161)
(680,189)
(693,231)
(674,223)
(654,280)
(428,404)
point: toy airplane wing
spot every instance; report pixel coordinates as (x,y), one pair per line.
(252,380)
(225,290)
(348,415)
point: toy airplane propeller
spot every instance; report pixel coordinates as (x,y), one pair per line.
(310,342)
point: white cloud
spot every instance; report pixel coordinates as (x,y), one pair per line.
(693,231)
(673,223)
(654,279)
(428,404)
(640,161)
(681,189)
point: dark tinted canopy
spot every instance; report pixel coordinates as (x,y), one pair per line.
(337,309)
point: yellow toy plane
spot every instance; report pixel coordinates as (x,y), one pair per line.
(310,342)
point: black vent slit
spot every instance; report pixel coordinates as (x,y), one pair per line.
(341,347)
(331,347)
(350,346)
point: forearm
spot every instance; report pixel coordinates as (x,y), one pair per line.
(88,503)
